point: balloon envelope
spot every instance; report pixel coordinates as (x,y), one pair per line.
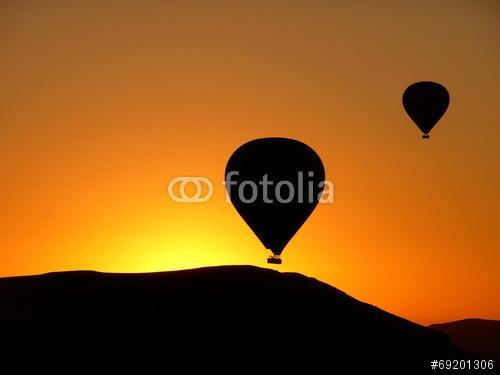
(426,102)
(261,177)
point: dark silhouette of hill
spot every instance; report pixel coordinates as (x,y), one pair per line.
(480,336)
(238,319)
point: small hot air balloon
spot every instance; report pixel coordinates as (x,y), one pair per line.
(426,102)
(274,184)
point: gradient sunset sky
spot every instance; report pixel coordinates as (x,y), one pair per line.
(103,102)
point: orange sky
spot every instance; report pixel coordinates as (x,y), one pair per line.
(102,103)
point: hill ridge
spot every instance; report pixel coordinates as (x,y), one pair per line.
(224,316)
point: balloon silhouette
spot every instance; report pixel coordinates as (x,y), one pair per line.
(426,102)
(274,184)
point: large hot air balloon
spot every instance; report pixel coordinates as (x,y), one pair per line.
(426,102)
(274,184)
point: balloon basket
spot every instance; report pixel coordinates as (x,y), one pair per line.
(426,136)
(274,259)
